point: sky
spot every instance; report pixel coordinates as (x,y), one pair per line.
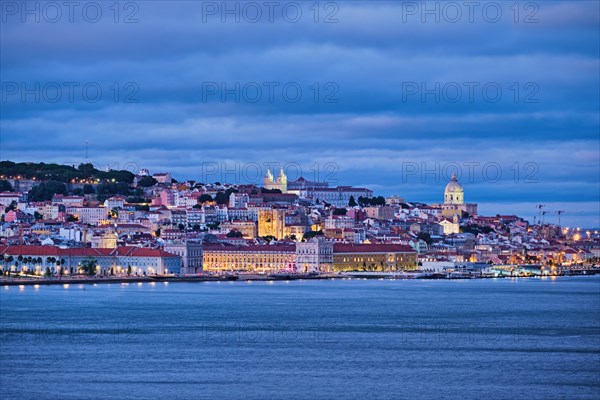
(390,95)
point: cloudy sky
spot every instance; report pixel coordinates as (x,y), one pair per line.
(391,95)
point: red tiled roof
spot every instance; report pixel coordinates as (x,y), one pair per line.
(141,252)
(338,189)
(371,248)
(26,250)
(47,251)
(249,249)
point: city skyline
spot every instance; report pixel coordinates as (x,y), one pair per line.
(157,240)
(379,92)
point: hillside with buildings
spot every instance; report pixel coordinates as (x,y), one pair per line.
(115,223)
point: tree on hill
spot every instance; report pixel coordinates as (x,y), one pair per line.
(223,197)
(264,190)
(147,181)
(11,206)
(234,233)
(109,189)
(61,172)
(426,237)
(371,201)
(87,169)
(205,198)
(116,175)
(46,190)
(137,199)
(311,234)
(88,189)
(5,186)
(352,202)
(476,229)
(270,238)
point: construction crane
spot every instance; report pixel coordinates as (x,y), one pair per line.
(539,207)
(543,215)
(558,213)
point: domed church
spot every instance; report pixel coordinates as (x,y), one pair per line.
(454,200)
(454,193)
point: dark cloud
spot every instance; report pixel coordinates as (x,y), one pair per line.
(379,93)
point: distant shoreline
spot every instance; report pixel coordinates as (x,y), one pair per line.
(255,277)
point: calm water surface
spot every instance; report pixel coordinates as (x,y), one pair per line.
(472,339)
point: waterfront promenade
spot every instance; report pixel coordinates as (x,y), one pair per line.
(84,279)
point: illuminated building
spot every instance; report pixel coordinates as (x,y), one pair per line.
(338,196)
(89,215)
(373,257)
(271,222)
(301,184)
(246,228)
(315,255)
(114,202)
(190,253)
(140,260)
(256,259)
(449,227)
(295,230)
(454,200)
(106,241)
(280,183)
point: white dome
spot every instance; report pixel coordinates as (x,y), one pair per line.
(454,193)
(453,186)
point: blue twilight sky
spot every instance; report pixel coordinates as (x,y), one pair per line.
(390,95)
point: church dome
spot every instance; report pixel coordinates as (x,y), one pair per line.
(454,193)
(453,186)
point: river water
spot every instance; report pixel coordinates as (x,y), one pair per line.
(524,338)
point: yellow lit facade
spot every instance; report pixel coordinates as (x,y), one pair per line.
(271,223)
(254,259)
(381,258)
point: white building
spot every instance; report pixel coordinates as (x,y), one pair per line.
(89,215)
(280,183)
(339,222)
(449,227)
(8,197)
(71,233)
(315,255)
(114,202)
(338,196)
(190,253)
(68,201)
(238,200)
